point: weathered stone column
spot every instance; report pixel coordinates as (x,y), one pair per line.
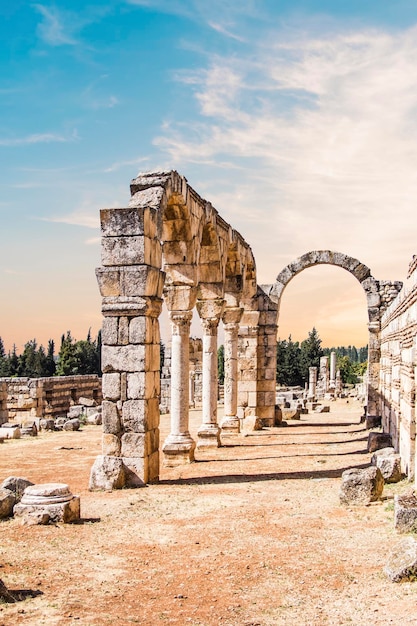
(374,354)
(209,432)
(231,319)
(179,446)
(312,383)
(332,384)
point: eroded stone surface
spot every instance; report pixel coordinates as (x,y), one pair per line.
(389,463)
(402,562)
(7,501)
(405,512)
(377,441)
(16,485)
(107,473)
(361,486)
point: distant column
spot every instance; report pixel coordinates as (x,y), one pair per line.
(231,319)
(312,383)
(332,384)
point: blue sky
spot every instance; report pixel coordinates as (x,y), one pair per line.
(297,120)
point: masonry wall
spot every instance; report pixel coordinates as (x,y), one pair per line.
(24,398)
(398,369)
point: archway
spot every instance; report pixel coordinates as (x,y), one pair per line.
(375,307)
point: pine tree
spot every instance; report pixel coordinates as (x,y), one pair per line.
(311,351)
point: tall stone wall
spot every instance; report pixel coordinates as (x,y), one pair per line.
(26,398)
(398,370)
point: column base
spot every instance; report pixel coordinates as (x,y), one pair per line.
(178,450)
(208,437)
(230,425)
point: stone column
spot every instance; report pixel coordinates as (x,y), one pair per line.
(179,446)
(209,432)
(338,384)
(192,388)
(312,383)
(332,384)
(231,319)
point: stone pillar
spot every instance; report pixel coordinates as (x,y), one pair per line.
(231,318)
(332,384)
(192,388)
(338,384)
(324,374)
(209,432)
(131,285)
(179,446)
(374,354)
(312,383)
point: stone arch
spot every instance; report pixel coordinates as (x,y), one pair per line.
(372,291)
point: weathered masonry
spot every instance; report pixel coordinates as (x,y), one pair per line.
(22,399)
(398,374)
(170,243)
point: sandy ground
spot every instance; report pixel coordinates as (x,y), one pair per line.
(250,534)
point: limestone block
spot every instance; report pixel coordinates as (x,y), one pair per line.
(130,358)
(111,418)
(72,424)
(95,418)
(47,424)
(180,298)
(87,401)
(136,471)
(7,501)
(322,408)
(140,415)
(278,416)
(361,486)
(108,279)
(107,473)
(376,441)
(109,331)
(111,445)
(405,512)
(251,423)
(402,562)
(9,433)
(142,385)
(151,197)
(372,421)
(116,251)
(133,445)
(122,222)
(389,463)
(75,411)
(111,386)
(141,280)
(290,413)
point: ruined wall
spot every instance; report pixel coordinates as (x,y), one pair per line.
(3,402)
(26,398)
(398,370)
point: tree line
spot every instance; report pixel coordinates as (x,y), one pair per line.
(74,357)
(295,358)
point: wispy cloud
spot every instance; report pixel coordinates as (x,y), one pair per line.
(77,218)
(329,125)
(34,139)
(119,164)
(54,29)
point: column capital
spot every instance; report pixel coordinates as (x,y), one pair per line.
(231,317)
(210,325)
(210,309)
(180,322)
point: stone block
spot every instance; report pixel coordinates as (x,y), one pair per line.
(133,445)
(376,441)
(402,562)
(405,512)
(111,445)
(107,473)
(136,471)
(16,485)
(129,358)
(111,418)
(109,331)
(47,424)
(9,433)
(90,402)
(322,408)
(122,222)
(251,423)
(290,414)
(361,486)
(7,501)
(73,424)
(95,418)
(389,463)
(111,386)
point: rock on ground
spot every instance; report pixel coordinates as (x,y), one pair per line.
(389,463)
(376,441)
(405,512)
(7,501)
(402,562)
(16,485)
(361,486)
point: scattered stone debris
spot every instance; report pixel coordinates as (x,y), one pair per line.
(361,486)
(405,512)
(376,441)
(389,463)
(7,501)
(402,562)
(16,485)
(72,424)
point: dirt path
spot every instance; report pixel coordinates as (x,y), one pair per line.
(250,534)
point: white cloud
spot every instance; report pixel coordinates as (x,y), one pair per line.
(324,130)
(52,29)
(34,139)
(77,218)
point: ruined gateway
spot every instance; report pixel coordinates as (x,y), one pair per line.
(169,244)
